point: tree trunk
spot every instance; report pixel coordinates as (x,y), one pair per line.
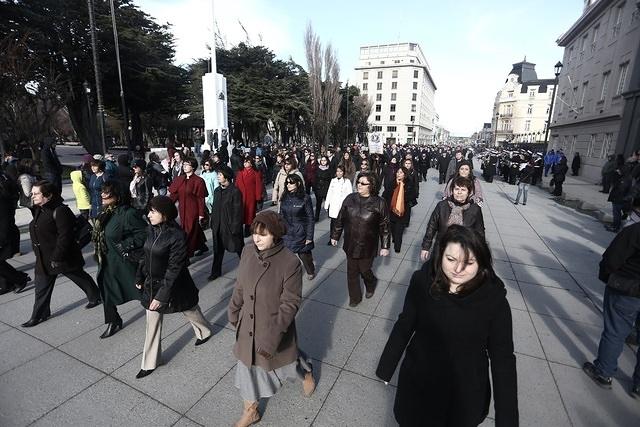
(83,124)
(136,128)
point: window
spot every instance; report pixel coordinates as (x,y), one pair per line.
(391,128)
(415,74)
(410,129)
(530,109)
(585,86)
(394,74)
(560,103)
(605,85)
(393,96)
(378,97)
(570,57)
(392,107)
(379,86)
(594,38)
(409,140)
(592,146)
(413,108)
(414,97)
(532,94)
(365,75)
(376,128)
(510,94)
(379,74)
(365,86)
(394,85)
(509,109)
(412,119)
(607,147)
(527,126)
(572,148)
(392,118)
(396,61)
(378,108)
(378,119)
(622,76)
(415,85)
(382,62)
(583,46)
(617,20)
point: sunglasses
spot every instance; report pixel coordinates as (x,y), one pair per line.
(291,182)
(363,183)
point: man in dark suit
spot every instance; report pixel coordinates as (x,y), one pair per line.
(57,252)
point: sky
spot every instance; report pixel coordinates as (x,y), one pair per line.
(470,45)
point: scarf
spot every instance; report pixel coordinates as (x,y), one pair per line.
(98,237)
(457,210)
(324,168)
(397,200)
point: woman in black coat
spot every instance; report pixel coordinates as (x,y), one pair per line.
(324,175)
(400,197)
(559,174)
(457,209)
(297,211)
(456,319)
(165,282)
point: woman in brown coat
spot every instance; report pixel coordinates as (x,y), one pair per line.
(265,300)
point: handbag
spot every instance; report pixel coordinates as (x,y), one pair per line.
(82,230)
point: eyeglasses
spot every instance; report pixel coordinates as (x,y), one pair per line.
(291,182)
(363,183)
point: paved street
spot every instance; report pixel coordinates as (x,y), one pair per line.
(60,373)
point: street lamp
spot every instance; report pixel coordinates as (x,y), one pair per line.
(126,126)
(96,70)
(557,69)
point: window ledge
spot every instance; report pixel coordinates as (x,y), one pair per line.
(616,97)
(600,102)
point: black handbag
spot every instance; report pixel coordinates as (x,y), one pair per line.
(82,230)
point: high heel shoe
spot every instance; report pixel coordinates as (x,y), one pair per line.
(144,372)
(112,329)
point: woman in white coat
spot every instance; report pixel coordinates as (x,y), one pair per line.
(339,188)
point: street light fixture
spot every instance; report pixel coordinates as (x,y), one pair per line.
(557,69)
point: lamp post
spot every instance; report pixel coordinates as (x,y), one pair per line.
(96,70)
(557,70)
(127,137)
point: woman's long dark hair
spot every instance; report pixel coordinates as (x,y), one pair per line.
(471,243)
(299,186)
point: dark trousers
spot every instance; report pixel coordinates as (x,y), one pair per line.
(319,200)
(44,289)
(307,262)
(397,230)
(620,314)
(606,182)
(218,256)
(357,267)
(331,224)
(557,191)
(11,275)
(441,177)
(110,313)
(617,214)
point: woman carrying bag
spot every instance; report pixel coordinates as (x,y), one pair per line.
(401,197)
(165,281)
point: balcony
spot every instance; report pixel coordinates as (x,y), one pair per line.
(505,131)
(507,115)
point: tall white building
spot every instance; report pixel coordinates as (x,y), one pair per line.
(521,107)
(397,79)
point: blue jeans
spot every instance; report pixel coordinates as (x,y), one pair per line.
(546,169)
(522,189)
(620,314)
(617,214)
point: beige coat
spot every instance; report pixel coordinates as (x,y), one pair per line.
(265,300)
(279,185)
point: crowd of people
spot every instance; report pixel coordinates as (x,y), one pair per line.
(149,219)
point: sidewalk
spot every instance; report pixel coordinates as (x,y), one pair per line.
(584,196)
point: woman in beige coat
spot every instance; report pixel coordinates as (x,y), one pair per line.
(265,300)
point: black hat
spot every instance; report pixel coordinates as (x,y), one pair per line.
(165,207)
(139,163)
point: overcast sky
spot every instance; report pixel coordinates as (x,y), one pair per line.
(470,45)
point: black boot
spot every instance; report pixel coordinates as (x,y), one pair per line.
(112,328)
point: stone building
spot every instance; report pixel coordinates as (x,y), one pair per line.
(397,80)
(521,107)
(600,59)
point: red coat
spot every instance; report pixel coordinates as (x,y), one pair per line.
(249,182)
(190,194)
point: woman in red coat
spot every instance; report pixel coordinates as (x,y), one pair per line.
(249,182)
(189,190)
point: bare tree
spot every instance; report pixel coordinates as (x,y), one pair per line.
(324,74)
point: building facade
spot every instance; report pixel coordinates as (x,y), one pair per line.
(521,107)
(398,82)
(600,54)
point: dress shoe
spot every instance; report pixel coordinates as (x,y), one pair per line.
(112,329)
(212,277)
(144,372)
(33,322)
(93,304)
(19,287)
(203,340)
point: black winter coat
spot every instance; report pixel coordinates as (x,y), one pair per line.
(471,218)
(621,186)
(365,221)
(526,175)
(54,240)
(144,193)
(323,179)
(409,201)
(226,218)
(622,260)
(9,233)
(448,342)
(163,270)
(297,213)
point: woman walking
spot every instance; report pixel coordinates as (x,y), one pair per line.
(456,321)
(118,236)
(141,186)
(524,180)
(297,211)
(559,171)
(165,281)
(210,177)
(348,166)
(266,298)
(401,197)
(95,186)
(457,209)
(339,189)
(464,170)
(323,180)
(364,217)
(249,182)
